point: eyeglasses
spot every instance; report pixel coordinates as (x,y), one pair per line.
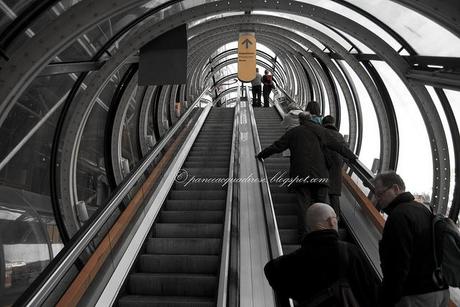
(380,193)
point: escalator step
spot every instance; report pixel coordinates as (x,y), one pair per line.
(165,301)
(206,164)
(223,158)
(219,184)
(207,194)
(170,230)
(289,248)
(203,153)
(210,172)
(184,246)
(172,284)
(195,204)
(284,197)
(205,264)
(276,188)
(286,221)
(288,236)
(285,208)
(191,217)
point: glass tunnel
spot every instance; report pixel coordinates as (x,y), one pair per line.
(91,156)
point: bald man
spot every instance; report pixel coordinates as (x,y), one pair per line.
(308,271)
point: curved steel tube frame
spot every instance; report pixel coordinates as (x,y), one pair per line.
(429,113)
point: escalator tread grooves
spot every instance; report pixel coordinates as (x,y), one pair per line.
(180,263)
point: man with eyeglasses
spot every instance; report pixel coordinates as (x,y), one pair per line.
(406,248)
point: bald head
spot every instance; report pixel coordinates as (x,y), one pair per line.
(321,216)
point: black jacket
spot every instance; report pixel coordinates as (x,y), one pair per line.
(306,144)
(334,162)
(406,250)
(315,266)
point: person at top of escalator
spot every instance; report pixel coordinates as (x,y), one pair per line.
(308,273)
(267,81)
(256,84)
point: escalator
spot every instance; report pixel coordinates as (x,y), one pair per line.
(277,166)
(354,226)
(180,260)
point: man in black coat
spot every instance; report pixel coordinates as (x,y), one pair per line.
(308,170)
(334,164)
(308,271)
(406,248)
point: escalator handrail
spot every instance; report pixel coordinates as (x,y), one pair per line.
(272,227)
(285,94)
(222,294)
(274,239)
(48,280)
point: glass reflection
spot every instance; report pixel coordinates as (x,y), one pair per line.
(358,18)
(29,237)
(423,34)
(92,183)
(310,23)
(130,132)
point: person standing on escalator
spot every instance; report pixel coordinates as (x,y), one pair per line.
(256,89)
(267,81)
(308,170)
(334,163)
(406,248)
(308,274)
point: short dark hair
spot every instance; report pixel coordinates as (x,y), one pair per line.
(328,120)
(304,117)
(389,178)
(313,108)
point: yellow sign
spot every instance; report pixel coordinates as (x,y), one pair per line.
(247,57)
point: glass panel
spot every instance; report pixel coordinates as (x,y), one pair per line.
(38,102)
(416,170)
(311,23)
(423,34)
(370,146)
(11,9)
(213,17)
(265,49)
(362,47)
(450,146)
(29,236)
(232,56)
(454,99)
(92,184)
(130,132)
(352,15)
(87,44)
(229,46)
(14,8)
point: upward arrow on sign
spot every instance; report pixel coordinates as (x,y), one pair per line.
(247,42)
